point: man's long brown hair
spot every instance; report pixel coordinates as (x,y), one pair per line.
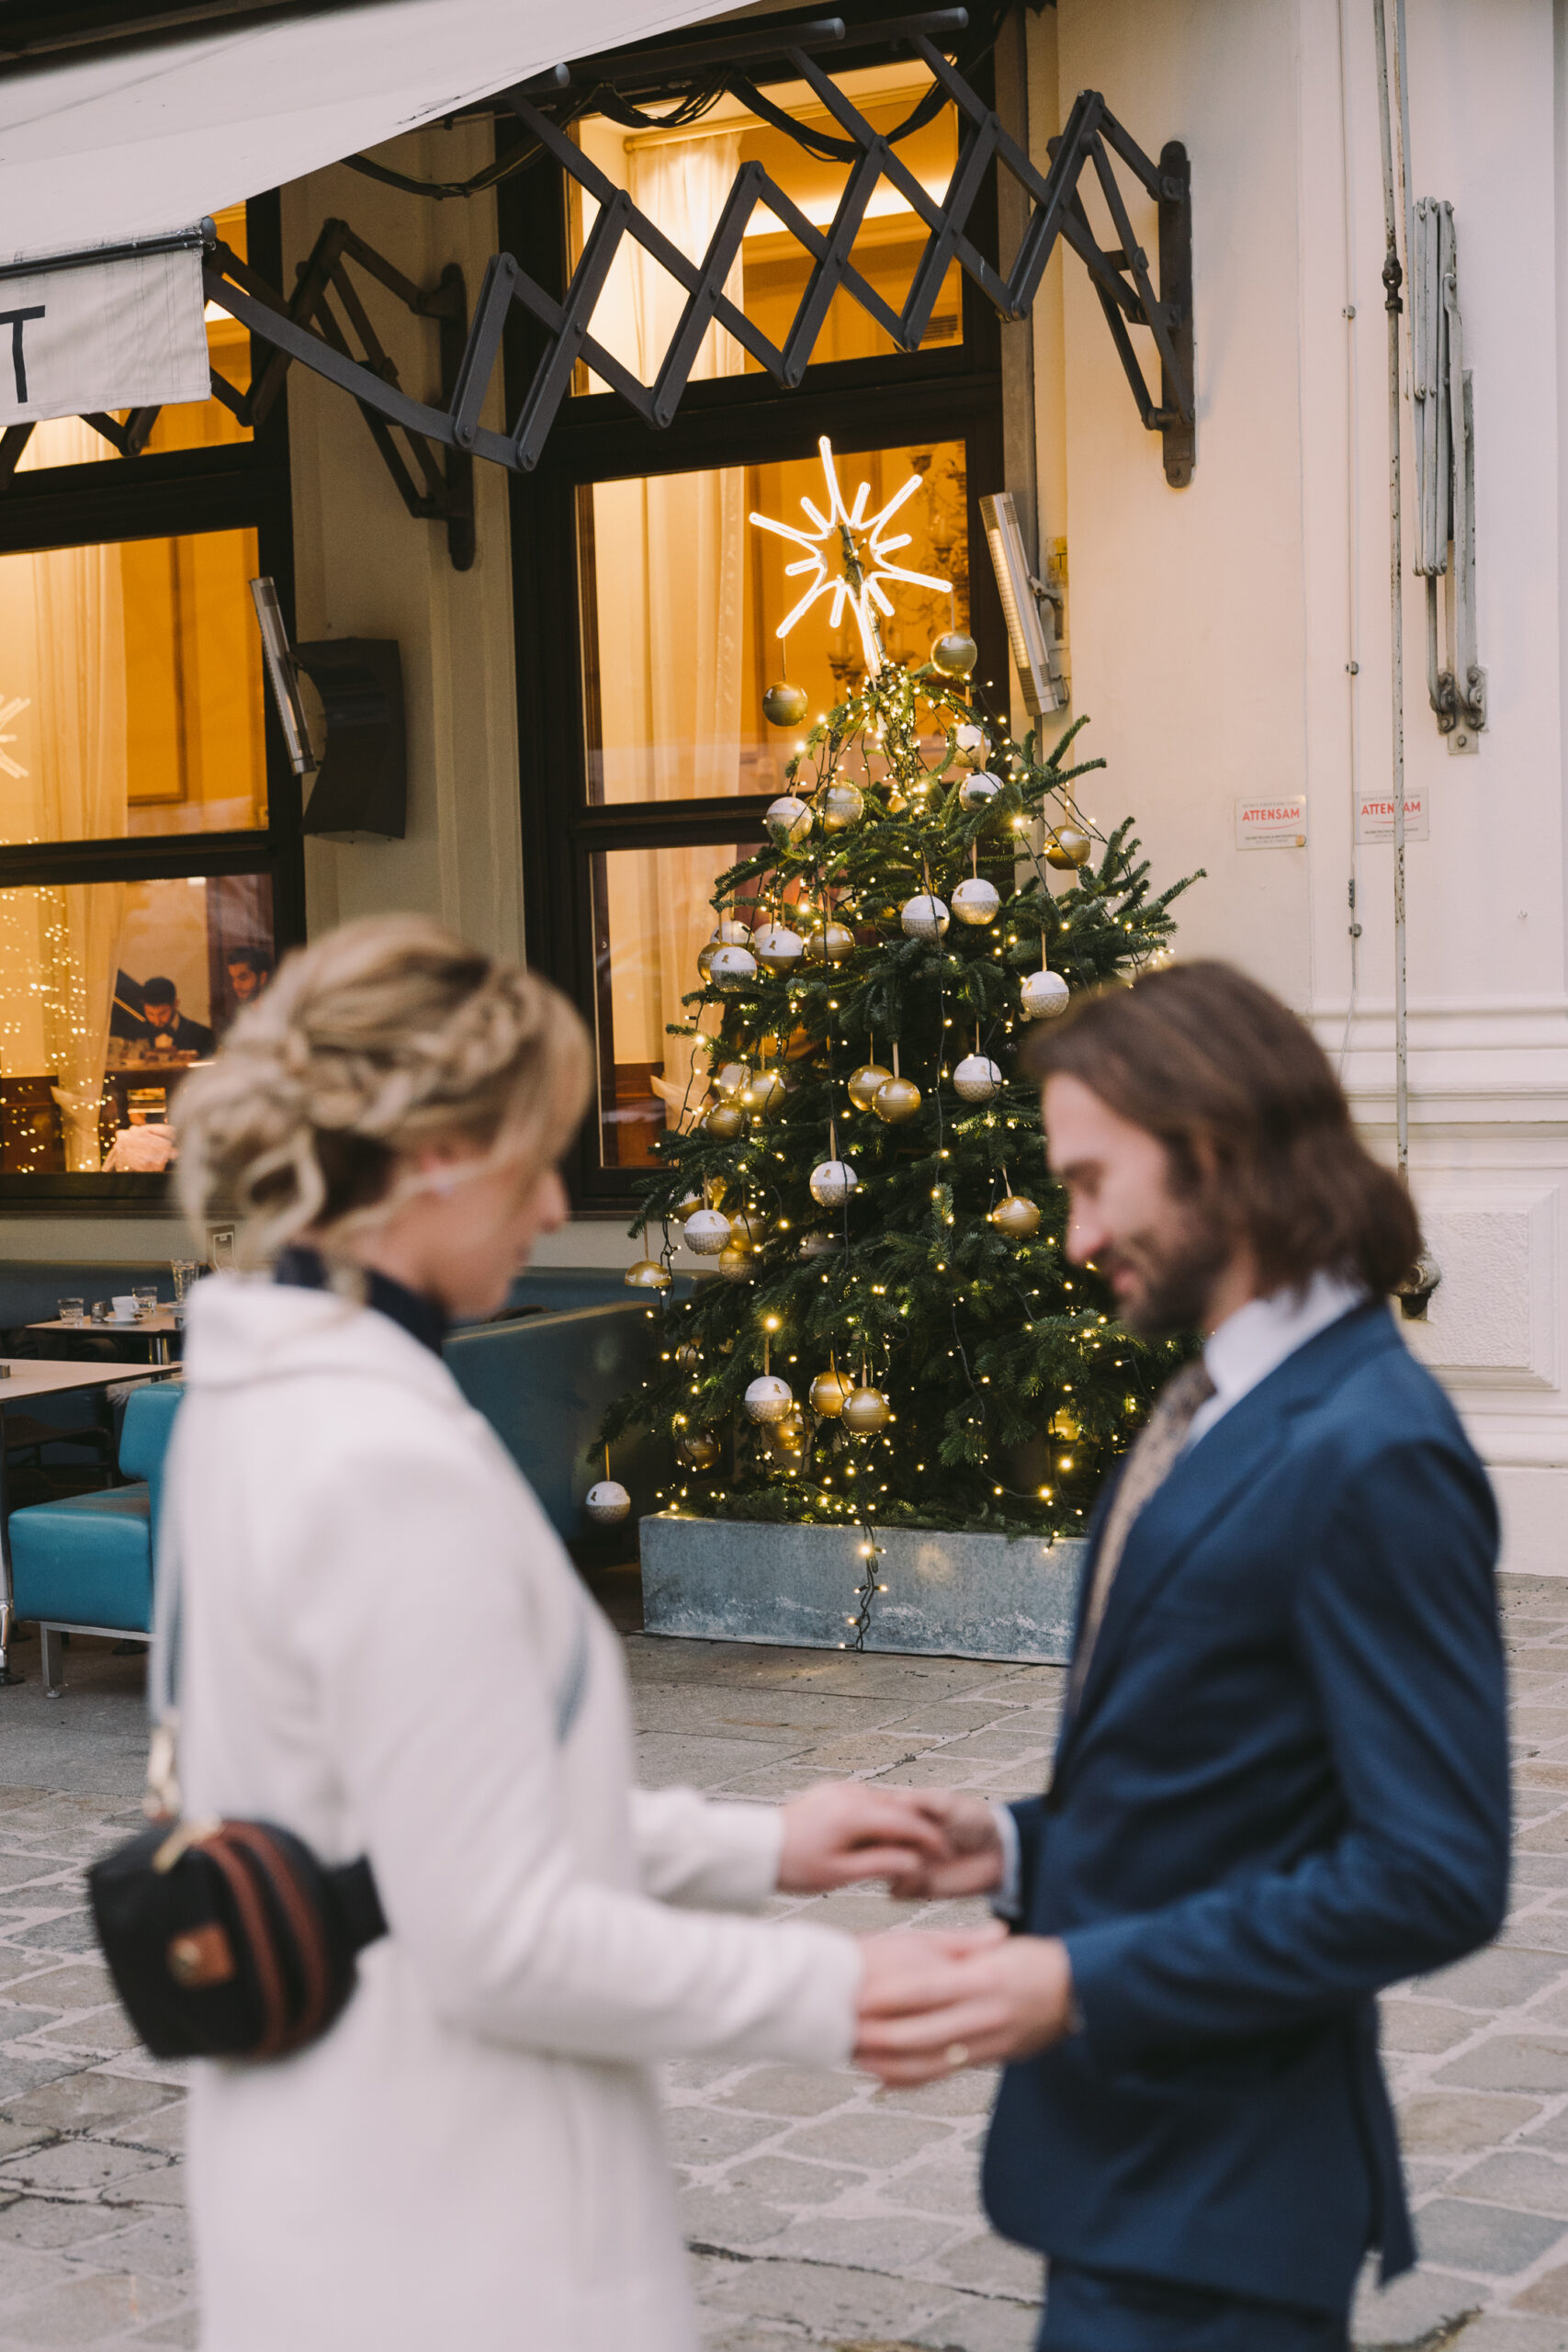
(1252,1117)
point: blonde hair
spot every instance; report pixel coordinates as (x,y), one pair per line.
(387,1036)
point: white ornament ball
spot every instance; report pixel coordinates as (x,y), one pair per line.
(1044,995)
(606,1502)
(731,934)
(777,948)
(925,917)
(769,1397)
(788,820)
(732,966)
(972,745)
(976,790)
(832,1182)
(976,901)
(841,804)
(817,1245)
(707,1231)
(976,1078)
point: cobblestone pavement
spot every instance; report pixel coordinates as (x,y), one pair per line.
(821,2211)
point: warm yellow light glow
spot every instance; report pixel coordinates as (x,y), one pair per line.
(863,550)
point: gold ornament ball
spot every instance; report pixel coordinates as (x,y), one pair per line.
(841,804)
(829,1391)
(830,943)
(955,654)
(1067,848)
(723,1122)
(865,1411)
(705,956)
(699,1450)
(1064,1424)
(897,804)
(863,1083)
(647,1275)
(684,1206)
(785,1439)
(785,706)
(764,1094)
(896,1100)
(1016,1217)
(736,1264)
(777,948)
(731,1081)
(731,934)
(747,1228)
(688,1355)
(788,820)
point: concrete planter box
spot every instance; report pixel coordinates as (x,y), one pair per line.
(953,1596)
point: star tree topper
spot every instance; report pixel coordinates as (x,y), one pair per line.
(848,554)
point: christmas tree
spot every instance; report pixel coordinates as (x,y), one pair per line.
(897,1335)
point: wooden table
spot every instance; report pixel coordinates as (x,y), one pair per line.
(21,1378)
(158,1328)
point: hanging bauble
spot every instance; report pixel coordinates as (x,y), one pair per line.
(820,1245)
(865,1410)
(829,1391)
(1044,996)
(839,806)
(955,654)
(828,942)
(764,1094)
(1064,1423)
(863,1083)
(832,1181)
(732,967)
(777,948)
(747,1228)
(768,1398)
(685,1205)
(976,1078)
(978,791)
(736,1263)
(788,820)
(723,1120)
(647,1275)
(1067,848)
(731,934)
(688,1355)
(896,1100)
(897,804)
(699,1449)
(925,917)
(975,901)
(606,1502)
(971,745)
(785,706)
(787,1437)
(799,1045)
(1016,1217)
(731,1081)
(706,1232)
(705,954)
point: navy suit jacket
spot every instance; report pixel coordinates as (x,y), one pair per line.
(1285,1786)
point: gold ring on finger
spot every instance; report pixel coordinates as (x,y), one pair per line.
(957,2054)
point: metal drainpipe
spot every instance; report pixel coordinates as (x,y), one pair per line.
(1392,278)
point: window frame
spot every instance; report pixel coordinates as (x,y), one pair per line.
(175,494)
(951,393)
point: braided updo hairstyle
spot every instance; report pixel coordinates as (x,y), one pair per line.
(388,1036)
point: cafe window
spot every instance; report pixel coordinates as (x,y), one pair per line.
(150,853)
(640,579)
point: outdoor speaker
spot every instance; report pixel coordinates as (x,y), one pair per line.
(361,790)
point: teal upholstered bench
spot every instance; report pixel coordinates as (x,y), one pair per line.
(84,1565)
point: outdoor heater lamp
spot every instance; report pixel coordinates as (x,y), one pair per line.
(1015,585)
(281,675)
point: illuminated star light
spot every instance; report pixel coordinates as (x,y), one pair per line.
(863,548)
(9,710)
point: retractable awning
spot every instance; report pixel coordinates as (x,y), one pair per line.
(117,124)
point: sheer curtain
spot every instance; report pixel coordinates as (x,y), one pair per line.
(681,544)
(80,795)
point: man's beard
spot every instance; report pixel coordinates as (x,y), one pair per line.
(1176,1276)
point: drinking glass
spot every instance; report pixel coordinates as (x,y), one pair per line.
(146,1297)
(184,1271)
(72,1310)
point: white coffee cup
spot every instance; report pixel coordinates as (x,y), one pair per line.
(124,1309)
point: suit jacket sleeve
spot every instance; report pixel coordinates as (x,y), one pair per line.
(1396,1625)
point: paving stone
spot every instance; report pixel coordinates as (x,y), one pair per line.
(1548,2294)
(23,2070)
(995,2265)
(1540,1930)
(85,2101)
(665,1760)
(866,2136)
(1423,2026)
(85,2311)
(1452,2120)
(951,2187)
(44,2222)
(790,2180)
(893,2243)
(699,2135)
(159,2245)
(16,2021)
(106,2028)
(1494,2239)
(1412,2312)
(1510,2063)
(78,1986)
(1494,1979)
(181,2328)
(971,2093)
(1504,2332)
(165,2129)
(832,2300)
(75,2164)
(724,2216)
(791,2090)
(1517,2176)
(983,2326)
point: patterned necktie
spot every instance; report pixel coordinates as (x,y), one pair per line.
(1148,1466)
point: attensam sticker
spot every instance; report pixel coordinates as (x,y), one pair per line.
(1374,817)
(1280,823)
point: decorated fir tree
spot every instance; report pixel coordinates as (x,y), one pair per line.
(896,1334)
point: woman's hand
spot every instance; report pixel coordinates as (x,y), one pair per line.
(847,1831)
(971,1859)
(909,1974)
(1005,1996)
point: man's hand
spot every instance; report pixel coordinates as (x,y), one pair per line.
(846,1830)
(972,1859)
(908,1972)
(1009,1998)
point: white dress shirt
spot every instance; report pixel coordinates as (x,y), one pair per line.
(1247,1346)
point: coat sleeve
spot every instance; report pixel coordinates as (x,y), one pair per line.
(454,1779)
(693,1849)
(1396,1627)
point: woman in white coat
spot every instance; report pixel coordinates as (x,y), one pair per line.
(386,1650)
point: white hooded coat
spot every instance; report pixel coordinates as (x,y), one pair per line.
(378,1627)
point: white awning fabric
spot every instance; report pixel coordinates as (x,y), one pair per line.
(135,142)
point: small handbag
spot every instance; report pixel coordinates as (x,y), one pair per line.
(225,1938)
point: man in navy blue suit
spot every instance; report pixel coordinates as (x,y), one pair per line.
(1282,1776)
